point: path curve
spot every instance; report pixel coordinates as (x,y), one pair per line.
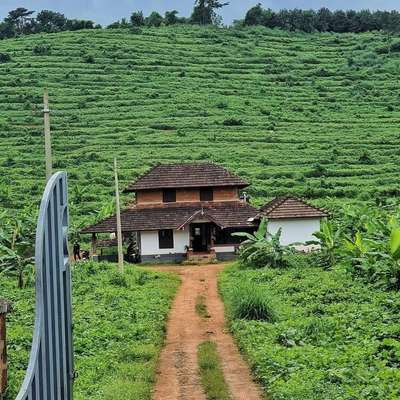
(177,372)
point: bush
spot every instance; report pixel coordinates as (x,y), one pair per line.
(117,279)
(41,50)
(233,122)
(89,59)
(250,302)
(4,57)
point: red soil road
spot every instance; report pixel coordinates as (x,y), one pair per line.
(178,375)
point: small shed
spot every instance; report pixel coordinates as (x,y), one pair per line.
(297,219)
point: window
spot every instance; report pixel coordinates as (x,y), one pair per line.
(224,236)
(166,239)
(206,194)
(169,195)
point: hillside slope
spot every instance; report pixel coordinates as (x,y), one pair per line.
(311,114)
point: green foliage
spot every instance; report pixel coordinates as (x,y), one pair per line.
(335,338)
(323,20)
(248,301)
(329,240)
(262,249)
(118,330)
(41,49)
(4,58)
(17,246)
(137,18)
(212,376)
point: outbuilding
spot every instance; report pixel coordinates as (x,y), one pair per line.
(297,219)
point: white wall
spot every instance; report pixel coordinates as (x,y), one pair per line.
(296,230)
(224,249)
(149,243)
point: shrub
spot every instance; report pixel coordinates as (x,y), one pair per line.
(41,50)
(233,122)
(250,302)
(89,59)
(4,57)
(117,279)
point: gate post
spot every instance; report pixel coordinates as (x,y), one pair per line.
(50,370)
(5,308)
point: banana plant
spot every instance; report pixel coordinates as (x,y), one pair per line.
(16,246)
(262,248)
(394,252)
(328,238)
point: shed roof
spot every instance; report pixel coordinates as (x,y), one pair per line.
(182,175)
(291,207)
(175,215)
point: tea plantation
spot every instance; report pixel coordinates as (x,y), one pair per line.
(315,115)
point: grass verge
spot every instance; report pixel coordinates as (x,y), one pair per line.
(212,377)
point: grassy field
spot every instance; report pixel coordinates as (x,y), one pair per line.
(119,327)
(332,337)
(310,114)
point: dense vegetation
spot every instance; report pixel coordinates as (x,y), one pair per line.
(22,22)
(324,20)
(323,325)
(332,337)
(118,330)
(314,115)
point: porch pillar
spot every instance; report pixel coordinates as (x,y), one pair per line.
(94,247)
(5,308)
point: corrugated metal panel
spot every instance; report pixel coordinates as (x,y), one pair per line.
(50,371)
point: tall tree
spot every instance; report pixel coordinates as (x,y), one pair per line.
(204,12)
(50,21)
(19,18)
(137,18)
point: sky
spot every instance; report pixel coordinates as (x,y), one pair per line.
(107,11)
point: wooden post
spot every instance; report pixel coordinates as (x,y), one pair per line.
(47,139)
(4,309)
(94,246)
(118,216)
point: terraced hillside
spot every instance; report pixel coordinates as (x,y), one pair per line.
(311,114)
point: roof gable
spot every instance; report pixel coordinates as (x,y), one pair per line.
(291,207)
(186,175)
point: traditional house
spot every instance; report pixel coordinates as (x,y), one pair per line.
(297,219)
(184,211)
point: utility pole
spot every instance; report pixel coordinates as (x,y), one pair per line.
(47,138)
(118,216)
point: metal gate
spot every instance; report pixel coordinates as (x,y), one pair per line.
(50,371)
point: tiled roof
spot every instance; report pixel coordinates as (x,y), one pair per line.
(186,175)
(172,216)
(291,207)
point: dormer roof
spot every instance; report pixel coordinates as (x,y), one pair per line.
(186,175)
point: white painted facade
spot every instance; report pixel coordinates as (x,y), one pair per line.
(224,249)
(149,243)
(295,230)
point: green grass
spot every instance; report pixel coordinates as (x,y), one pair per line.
(308,115)
(212,377)
(119,326)
(201,307)
(335,337)
(249,301)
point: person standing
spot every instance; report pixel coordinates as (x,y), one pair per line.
(77,250)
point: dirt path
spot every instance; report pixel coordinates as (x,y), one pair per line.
(177,376)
